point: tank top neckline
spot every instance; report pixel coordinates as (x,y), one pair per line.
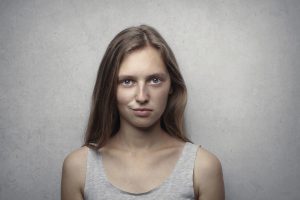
(159,186)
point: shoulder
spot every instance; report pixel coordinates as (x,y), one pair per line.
(76,159)
(208,176)
(73,172)
(207,161)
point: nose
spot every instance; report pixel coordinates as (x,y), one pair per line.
(142,95)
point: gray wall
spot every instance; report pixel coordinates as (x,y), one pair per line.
(240,60)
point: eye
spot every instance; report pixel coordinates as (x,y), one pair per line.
(126,82)
(155,81)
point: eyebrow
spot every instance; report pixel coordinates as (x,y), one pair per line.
(161,75)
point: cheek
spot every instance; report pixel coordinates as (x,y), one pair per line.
(162,97)
(123,97)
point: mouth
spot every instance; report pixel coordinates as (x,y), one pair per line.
(141,109)
(142,112)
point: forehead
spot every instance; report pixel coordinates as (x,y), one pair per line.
(142,62)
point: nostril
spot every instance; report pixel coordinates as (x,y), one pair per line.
(142,98)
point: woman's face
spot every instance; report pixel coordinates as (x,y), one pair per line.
(143,88)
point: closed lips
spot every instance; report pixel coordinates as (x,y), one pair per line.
(142,109)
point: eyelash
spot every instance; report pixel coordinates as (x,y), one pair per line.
(155,80)
(124,81)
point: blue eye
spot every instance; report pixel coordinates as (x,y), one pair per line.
(155,81)
(126,82)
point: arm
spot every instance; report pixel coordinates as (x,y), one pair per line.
(208,176)
(73,175)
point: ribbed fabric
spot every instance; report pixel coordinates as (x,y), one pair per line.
(178,186)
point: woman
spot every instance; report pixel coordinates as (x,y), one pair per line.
(135,145)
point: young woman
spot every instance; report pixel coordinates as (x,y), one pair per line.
(135,145)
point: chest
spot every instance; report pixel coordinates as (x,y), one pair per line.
(141,172)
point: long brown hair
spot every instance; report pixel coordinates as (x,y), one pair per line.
(104,119)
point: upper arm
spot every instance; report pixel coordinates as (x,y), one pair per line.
(73,175)
(208,176)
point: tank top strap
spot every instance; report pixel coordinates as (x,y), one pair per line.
(187,159)
(182,176)
(94,175)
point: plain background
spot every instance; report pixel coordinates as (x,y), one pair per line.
(240,60)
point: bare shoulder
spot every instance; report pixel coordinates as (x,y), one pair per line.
(73,174)
(207,162)
(76,159)
(208,176)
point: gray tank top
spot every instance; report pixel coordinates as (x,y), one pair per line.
(179,185)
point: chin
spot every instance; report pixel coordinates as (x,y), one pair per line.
(145,124)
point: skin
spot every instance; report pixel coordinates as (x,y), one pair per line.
(141,146)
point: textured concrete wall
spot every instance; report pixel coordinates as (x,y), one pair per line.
(241,63)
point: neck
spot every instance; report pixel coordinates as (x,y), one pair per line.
(133,138)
